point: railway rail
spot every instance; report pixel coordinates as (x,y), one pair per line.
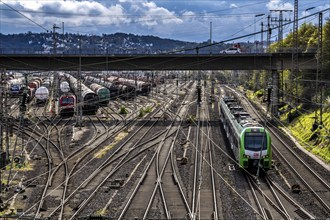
(172,163)
(315,185)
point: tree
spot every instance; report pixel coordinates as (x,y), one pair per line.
(326,46)
(307,42)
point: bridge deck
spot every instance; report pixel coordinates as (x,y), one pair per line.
(262,61)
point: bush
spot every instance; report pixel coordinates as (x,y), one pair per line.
(292,114)
(259,93)
(141,113)
(123,110)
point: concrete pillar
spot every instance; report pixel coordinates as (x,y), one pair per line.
(274,101)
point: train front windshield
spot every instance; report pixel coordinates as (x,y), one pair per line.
(14,87)
(255,141)
(67,101)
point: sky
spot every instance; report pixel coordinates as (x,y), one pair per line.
(186,20)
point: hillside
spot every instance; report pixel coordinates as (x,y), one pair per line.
(118,43)
(314,139)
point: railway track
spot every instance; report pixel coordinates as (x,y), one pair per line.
(158,181)
(274,203)
(128,166)
(207,205)
(64,155)
(74,173)
(314,184)
(54,155)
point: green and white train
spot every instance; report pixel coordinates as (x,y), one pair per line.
(250,142)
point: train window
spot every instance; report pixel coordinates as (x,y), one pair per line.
(254,141)
(68,100)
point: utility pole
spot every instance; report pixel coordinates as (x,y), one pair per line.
(211,37)
(262,37)
(3,126)
(279,23)
(54,102)
(2,88)
(6,107)
(54,38)
(319,71)
(199,87)
(80,101)
(177,85)
(269,32)
(255,42)
(295,69)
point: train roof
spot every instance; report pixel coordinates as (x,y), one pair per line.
(242,119)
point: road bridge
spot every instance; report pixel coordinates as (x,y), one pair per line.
(262,61)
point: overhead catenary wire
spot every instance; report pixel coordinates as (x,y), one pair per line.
(25,16)
(231,39)
(204,14)
(246,35)
(213,168)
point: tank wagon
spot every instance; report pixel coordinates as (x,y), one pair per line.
(125,90)
(116,90)
(64,87)
(35,83)
(152,79)
(250,142)
(42,95)
(47,82)
(89,99)
(142,88)
(31,89)
(102,92)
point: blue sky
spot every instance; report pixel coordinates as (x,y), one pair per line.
(187,20)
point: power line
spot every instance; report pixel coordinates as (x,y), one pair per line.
(247,35)
(25,16)
(204,15)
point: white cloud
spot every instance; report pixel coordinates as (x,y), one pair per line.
(184,19)
(233,6)
(188,16)
(279,5)
(159,14)
(72,12)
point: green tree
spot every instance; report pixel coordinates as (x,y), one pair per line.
(307,42)
(326,46)
(326,57)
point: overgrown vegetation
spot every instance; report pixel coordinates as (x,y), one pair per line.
(299,95)
(144,111)
(308,131)
(315,137)
(123,110)
(191,119)
(105,149)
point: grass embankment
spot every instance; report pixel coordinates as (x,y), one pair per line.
(317,140)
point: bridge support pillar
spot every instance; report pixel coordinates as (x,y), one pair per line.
(274,103)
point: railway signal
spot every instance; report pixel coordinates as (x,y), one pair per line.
(269,93)
(22,107)
(199,95)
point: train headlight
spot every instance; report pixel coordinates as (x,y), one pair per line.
(265,156)
(246,156)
